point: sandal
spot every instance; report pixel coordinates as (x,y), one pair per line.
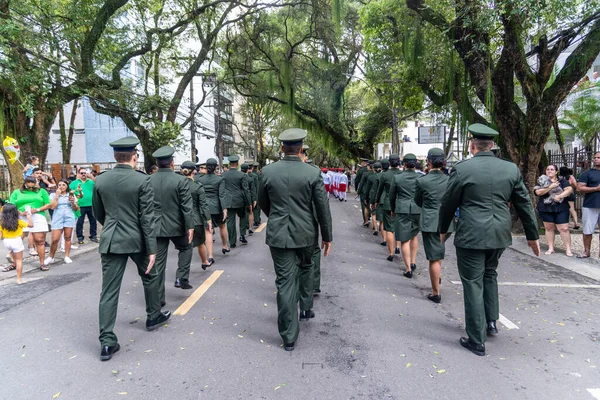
(9,268)
(583,256)
(44,268)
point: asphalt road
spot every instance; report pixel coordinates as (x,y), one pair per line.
(375,335)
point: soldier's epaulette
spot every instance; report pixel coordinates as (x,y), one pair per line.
(141,172)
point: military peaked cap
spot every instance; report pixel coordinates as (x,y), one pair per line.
(163,153)
(481,131)
(124,144)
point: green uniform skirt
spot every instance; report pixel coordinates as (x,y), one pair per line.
(389,222)
(379,214)
(407,226)
(434,248)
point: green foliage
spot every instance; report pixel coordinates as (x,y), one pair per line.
(165,134)
(584,119)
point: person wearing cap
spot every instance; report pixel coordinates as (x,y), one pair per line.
(237,187)
(202,221)
(382,199)
(248,220)
(428,195)
(175,218)
(378,211)
(123,202)
(201,171)
(305,148)
(402,201)
(218,203)
(362,189)
(483,187)
(289,192)
(357,180)
(256,210)
(371,179)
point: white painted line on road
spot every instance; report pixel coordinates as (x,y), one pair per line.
(595,392)
(507,323)
(261,227)
(189,303)
(536,284)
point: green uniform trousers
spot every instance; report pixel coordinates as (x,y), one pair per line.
(477,269)
(231,223)
(256,212)
(184,261)
(113,268)
(293,268)
(316,259)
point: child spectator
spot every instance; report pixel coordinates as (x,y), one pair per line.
(11,227)
(32,162)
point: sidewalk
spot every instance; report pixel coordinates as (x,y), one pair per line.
(589,267)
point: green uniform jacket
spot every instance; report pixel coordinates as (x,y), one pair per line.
(254,177)
(290,194)
(402,193)
(428,195)
(237,188)
(123,202)
(371,182)
(214,187)
(383,191)
(252,188)
(172,202)
(482,187)
(358,177)
(201,210)
(362,189)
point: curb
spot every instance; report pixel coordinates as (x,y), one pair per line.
(31,263)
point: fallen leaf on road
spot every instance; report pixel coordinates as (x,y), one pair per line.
(122,392)
(560,323)
(240,336)
(148,351)
(265,304)
(408,365)
(114,372)
(56,395)
(70,358)
(441,371)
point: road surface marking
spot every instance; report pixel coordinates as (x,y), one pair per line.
(507,323)
(261,227)
(189,303)
(595,392)
(535,284)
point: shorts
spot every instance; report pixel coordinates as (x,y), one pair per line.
(389,222)
(63,220)
(39,223)
(557,217)
(343,187)
(14,245)
(407,226)
(434,248)
(217,220)
(199,236)
(590,219)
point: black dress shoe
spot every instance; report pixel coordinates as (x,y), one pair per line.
(306,315)
(289,346)
(435,298)
(408,274)
(478,349)
(250,232)
(225,251)
(383,243)
(204,266)
(413,267)
(491,328)
(211,261)
(243,240)
(152,324)
(107,352)
(390,257)
(317,291)
(183,284)
(375,233)
(397,250)
(162,304)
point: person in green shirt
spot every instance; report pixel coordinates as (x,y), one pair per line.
(85,183)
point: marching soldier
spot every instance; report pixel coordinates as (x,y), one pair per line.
(218,203)
(248,219)
(359,174)
(238,190)
(256,210)
(371,180)
(482,187)
(175,219)
(428,195)
(362,189)
(383,200)
(402,201)
(385,164)
(289,192)
(123,202)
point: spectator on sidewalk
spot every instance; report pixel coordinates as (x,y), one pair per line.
(65,206)
(12,227)
(567,174)
(555,213)
(85,183)
(589,185)
(33,200)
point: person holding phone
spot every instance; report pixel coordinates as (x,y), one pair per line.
(85,183)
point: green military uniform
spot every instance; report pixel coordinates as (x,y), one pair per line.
(238,189)
(245,221)
(362,189)
(402,201)
(316,255)
(288,193)
(200,208)
(375,189)
(174,218)
(123,202)
(256,210)
(383,197)
(428,195)
(199,174)
(357,180)
(483,187)
(216,195)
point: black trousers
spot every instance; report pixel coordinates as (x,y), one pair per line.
(93,225)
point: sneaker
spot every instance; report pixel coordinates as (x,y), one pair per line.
(95,240)
(49,261)
(68,260)
(33,252)
(73,247)
(81,241)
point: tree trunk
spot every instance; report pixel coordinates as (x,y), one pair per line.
(66,138)
(559,140)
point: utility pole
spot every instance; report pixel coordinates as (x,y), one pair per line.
(218,125)
(193,121)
